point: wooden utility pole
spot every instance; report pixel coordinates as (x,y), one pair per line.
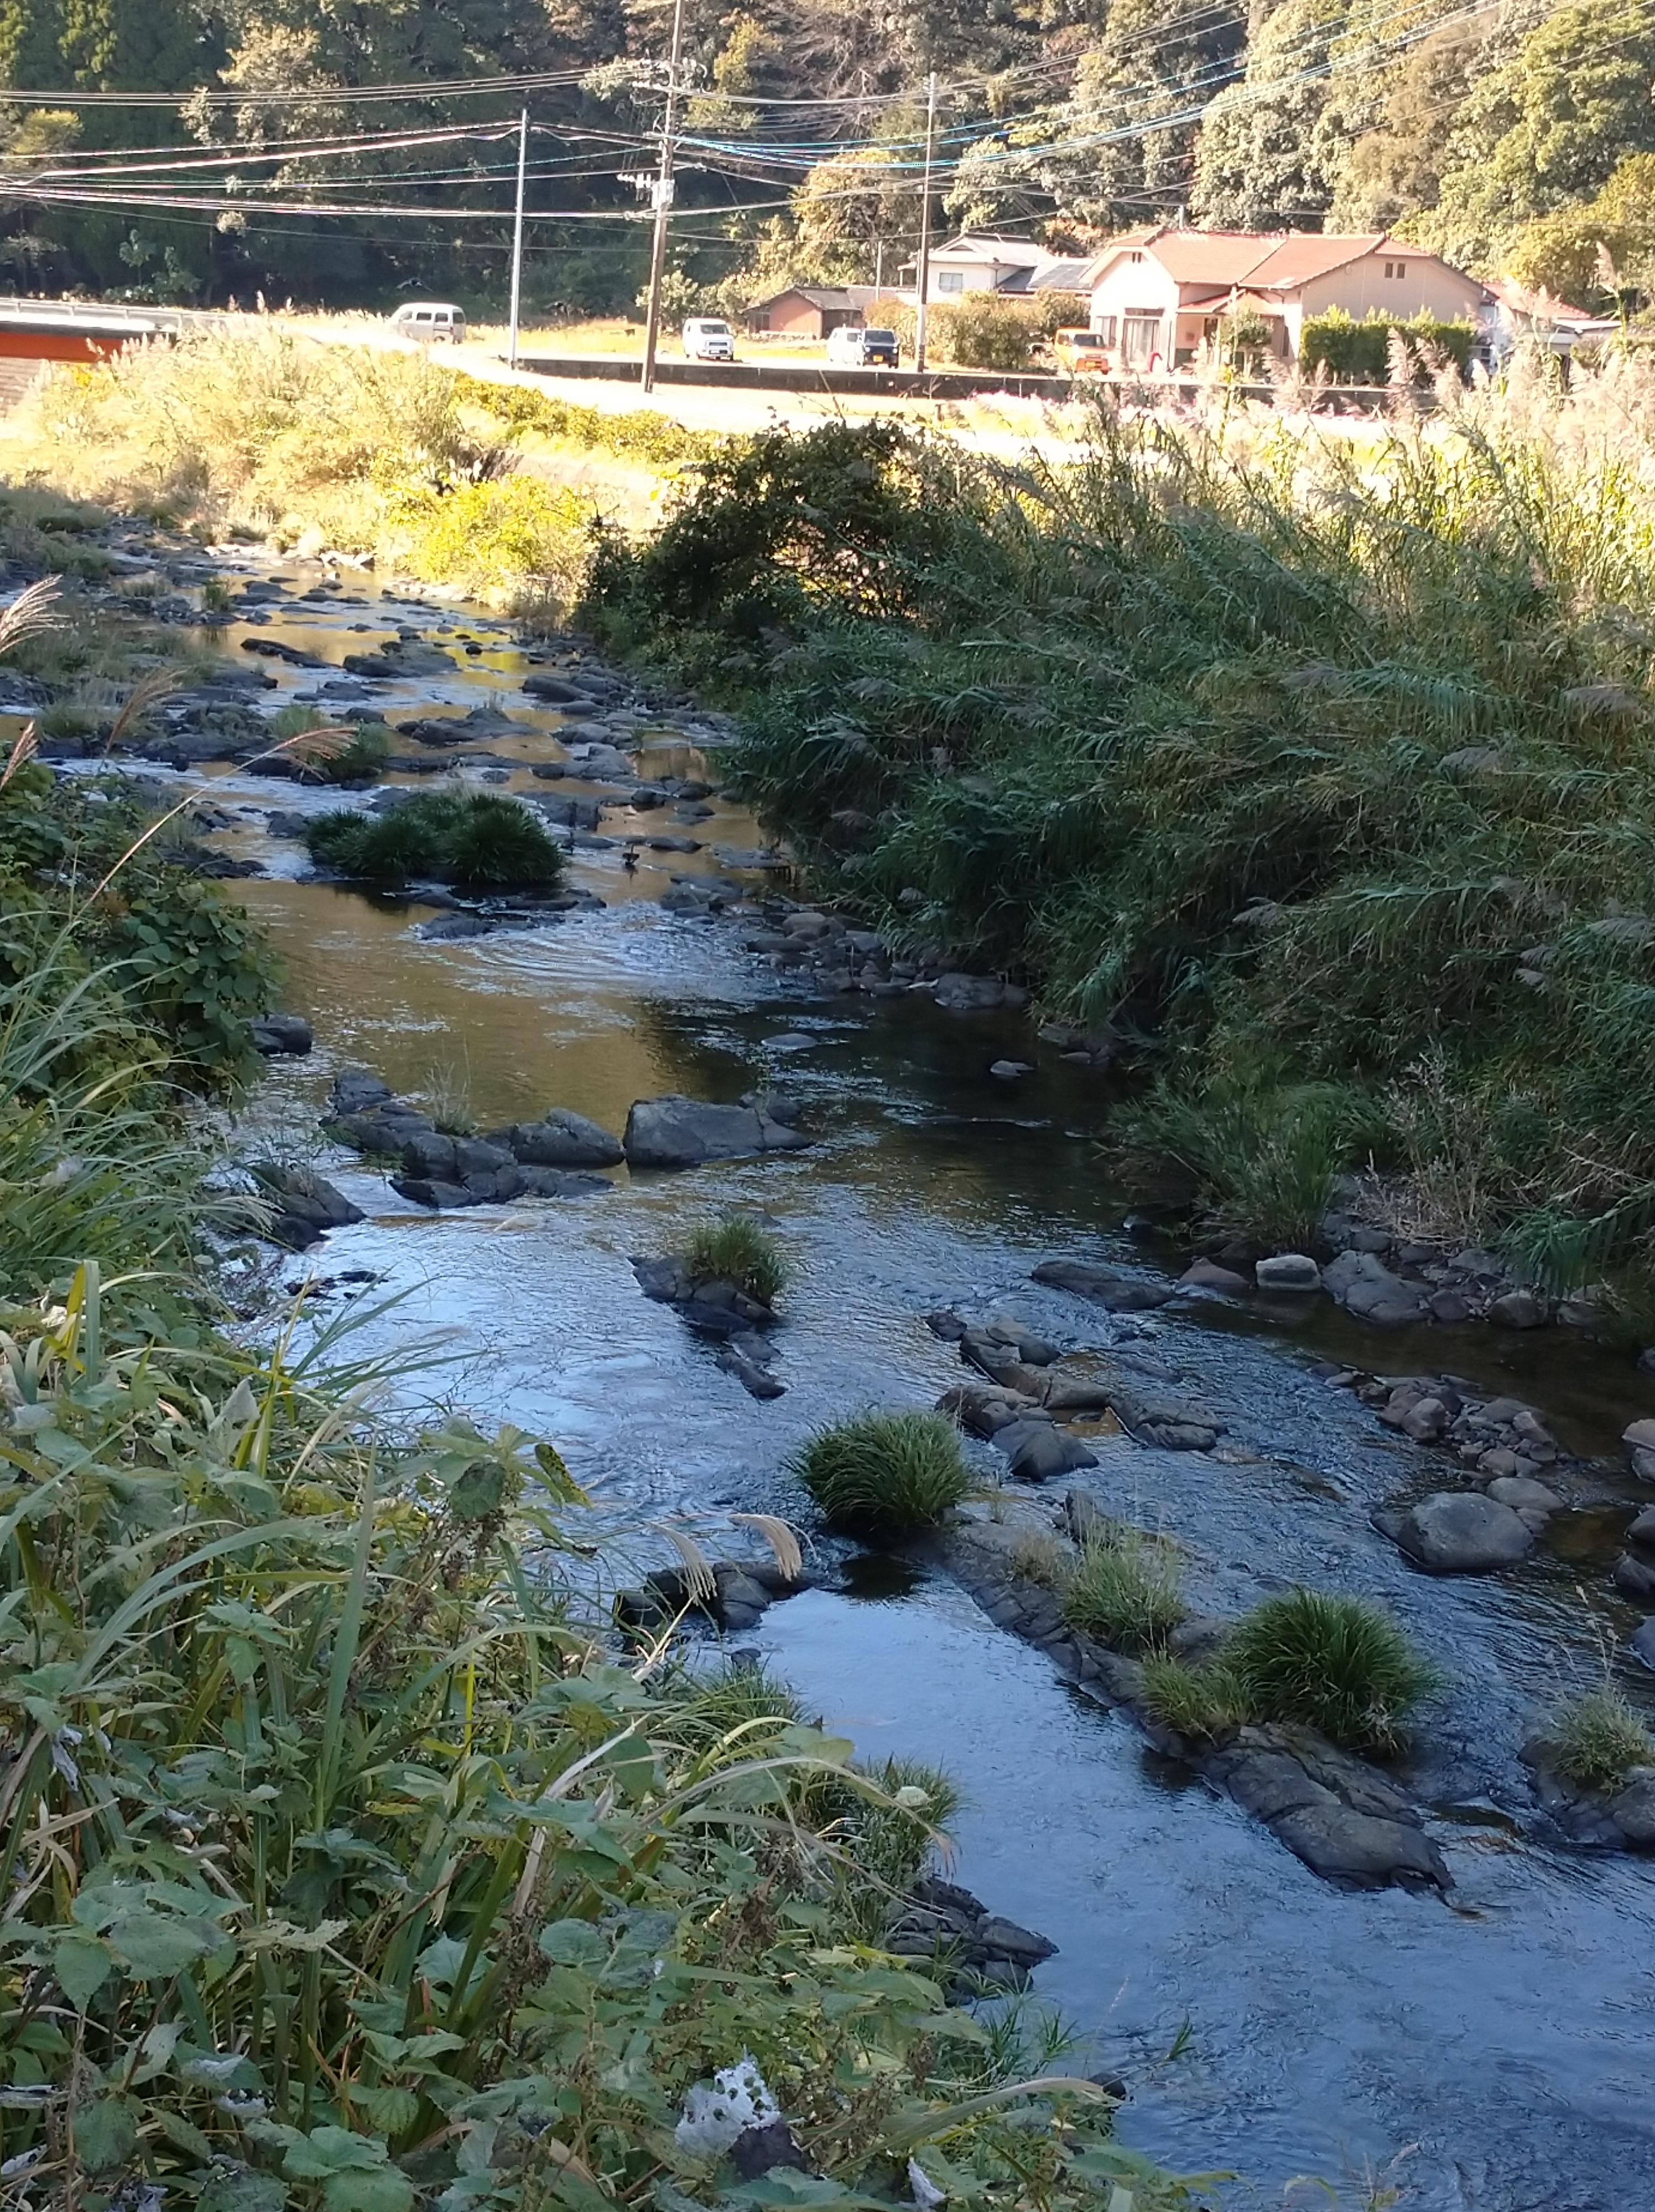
(663,200)
(925,223)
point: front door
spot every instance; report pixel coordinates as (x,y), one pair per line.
(1140,338)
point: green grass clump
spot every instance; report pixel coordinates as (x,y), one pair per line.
(361,761)
(1600,1739)
(1125,1589)
(478,842)
(1340,1665)
(1205,1703)
(884,1474)
(738,1250)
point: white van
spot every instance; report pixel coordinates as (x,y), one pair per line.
(434,322)
(708,338)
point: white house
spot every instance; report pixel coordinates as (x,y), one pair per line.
(1157,293)
(977,261)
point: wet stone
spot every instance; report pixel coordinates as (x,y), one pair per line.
(1105,1286)
(1458,1532)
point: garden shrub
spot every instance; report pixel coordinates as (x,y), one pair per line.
(1355,352)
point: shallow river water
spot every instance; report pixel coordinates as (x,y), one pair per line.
(1501,2046)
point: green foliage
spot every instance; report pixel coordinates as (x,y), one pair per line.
(1340,1665)
(1359,352)
(1205,1703)
(510,529)
(637,433)
(361,761)
(981,330)
(1126,1588)
(884,1474)
(389,1881)
(1599,1740)
(1289,787)
(478,842)
(738,1250)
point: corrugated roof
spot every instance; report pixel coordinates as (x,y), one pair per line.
(816,295)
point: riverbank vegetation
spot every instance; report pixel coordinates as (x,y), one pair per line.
(258,431)
(1308,773)
(882,1476)
(351,1865)
(1599,1740)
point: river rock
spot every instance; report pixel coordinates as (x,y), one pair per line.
(1518,1309)
(306,1204)
(745,1358)
(1459,1532)
(1207,1275)
(400,658)
(558,691)
(1105,1286)
(1366,1287)
(1344,1819)
(964,994)
(1641,1642)
(1039,1450)
(561,1140)
(279,1034)
(358,1090)
(985,1412)
(1152,1415)
(1642,1529)
(680,1133)
(1634,1810)
(1287,1271)
(1633,1577)
(1639,1439)
(1531,1499)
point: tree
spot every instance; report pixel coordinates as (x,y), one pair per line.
(1564,100)
(1595,253)
(1394,168)
(1272,147)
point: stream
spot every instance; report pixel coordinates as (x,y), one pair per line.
(1496,2051)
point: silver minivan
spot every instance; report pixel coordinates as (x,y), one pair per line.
(434,322)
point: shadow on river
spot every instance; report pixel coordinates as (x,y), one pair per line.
(1509,2034)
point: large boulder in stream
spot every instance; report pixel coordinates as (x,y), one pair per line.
(304,1205)
(561,1140)
(683,1133)
(1459,1532)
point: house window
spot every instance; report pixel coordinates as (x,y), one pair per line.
(1140,338)
(1105,327)
(1395,268)
(950,280)
(1136,258)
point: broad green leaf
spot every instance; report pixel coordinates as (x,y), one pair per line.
(178,2130)
(155,1946)
(242,2192)
(575,1943)
(82,1964)
(385,2191)
(105,2132)
(330,2150)
(389,2110)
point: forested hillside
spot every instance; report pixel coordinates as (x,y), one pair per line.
(204,150)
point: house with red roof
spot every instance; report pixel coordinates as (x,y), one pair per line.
(1158,293)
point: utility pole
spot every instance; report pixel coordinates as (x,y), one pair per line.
(517,236)
(663,201)
(878,268)
(925,223)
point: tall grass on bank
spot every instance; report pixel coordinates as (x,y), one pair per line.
(885,1475)
(1296,763)
(346,1872)
(358,448)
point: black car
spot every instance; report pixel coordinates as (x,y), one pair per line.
(854,347)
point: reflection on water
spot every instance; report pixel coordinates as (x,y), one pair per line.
(1512,2038)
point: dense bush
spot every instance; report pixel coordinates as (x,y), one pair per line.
(637,433)
(985,330)
(884,1474)
(1359,352)
(1340,1665)
(1324,803)
(478,842)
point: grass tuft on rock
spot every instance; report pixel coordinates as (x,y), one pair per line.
(1205,1703)
(884,1474)
(1600,1739)
(1340,1665)
(738,1250)
(1125,1590)
(477,841)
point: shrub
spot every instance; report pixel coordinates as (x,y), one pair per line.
(737,1250)
(1359,352)
(985,330)
(1600,1739)
(1340,1665)
(495,533)
(478,842)
(1125,1590)
(884,1474)
(1205,1703)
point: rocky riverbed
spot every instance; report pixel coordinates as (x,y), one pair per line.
(952,1235)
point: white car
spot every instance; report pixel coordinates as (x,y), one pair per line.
(706,338)
(433,322)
